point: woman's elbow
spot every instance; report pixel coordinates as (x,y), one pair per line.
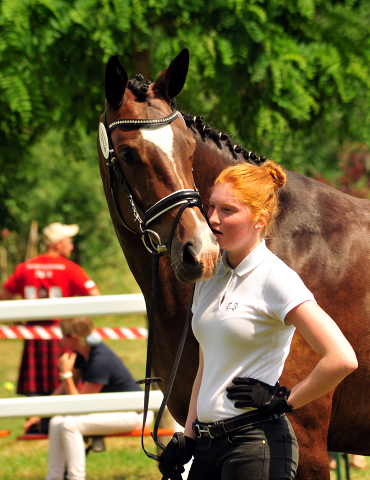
(349,362)
(354,364)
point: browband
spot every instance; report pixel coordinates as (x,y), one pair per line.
(147,123)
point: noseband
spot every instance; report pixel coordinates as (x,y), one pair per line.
(185,197)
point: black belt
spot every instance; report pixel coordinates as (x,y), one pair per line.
(225,426)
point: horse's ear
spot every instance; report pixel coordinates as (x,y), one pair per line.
(116,79)
(172,79)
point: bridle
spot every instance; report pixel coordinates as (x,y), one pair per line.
(185,197)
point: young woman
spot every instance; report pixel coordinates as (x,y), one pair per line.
(244,319)
(100,370)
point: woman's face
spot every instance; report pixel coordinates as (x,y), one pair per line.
(232,224)
(69,341)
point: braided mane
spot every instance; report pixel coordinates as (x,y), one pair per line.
(140,90)
(207,130)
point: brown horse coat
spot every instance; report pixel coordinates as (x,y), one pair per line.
(321,233)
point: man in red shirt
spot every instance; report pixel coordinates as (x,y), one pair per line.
(48,275)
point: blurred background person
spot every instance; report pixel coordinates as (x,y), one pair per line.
(95,368)
(49,275)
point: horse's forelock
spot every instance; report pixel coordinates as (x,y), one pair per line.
(139,87)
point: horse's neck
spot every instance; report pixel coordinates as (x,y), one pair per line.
(210,159)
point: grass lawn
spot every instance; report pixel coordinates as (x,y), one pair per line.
(123,458)
(355,474)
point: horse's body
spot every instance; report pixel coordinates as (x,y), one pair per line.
(321,233)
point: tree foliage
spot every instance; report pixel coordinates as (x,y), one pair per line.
(62,189)
(289,79)
(353,176)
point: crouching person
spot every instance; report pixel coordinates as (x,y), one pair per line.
(97,369)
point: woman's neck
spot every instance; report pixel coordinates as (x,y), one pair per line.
(84,350)
(234,258)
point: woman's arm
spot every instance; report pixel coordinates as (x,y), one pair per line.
(70,387)
(69,384)
(192,412)
(32,421)
(324,336)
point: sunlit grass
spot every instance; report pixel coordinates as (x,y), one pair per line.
(355,473)
(123,458)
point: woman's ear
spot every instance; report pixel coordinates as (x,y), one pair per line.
(261,221)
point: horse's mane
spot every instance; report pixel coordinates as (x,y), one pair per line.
(207,130)
(140,90)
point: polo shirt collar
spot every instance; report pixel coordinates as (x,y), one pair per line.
(250,262)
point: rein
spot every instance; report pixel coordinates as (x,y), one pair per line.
(187,198)
(148,379)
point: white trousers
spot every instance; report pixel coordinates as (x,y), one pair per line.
(66,444)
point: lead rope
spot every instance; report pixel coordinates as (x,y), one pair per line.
(148,379)
(149,355)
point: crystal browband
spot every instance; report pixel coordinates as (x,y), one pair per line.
(144,122)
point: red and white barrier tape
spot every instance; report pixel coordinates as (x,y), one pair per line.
(38,332)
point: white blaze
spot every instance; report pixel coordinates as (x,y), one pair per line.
(162,138)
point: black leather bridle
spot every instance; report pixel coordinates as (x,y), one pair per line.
(185,197)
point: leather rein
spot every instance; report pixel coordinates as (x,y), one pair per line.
(187,198)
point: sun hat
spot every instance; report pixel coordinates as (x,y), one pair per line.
(55,232)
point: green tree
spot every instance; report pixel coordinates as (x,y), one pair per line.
(53,186)
(289,79)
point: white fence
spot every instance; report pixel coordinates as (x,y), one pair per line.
(42,309)
(45,308)
(78,404)
(15,310)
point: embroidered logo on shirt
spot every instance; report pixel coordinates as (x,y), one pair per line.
(232,306)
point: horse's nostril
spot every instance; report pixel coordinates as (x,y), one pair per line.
(188,254)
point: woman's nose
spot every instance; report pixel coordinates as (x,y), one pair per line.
(213,217)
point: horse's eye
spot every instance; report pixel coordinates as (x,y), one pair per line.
(127,156)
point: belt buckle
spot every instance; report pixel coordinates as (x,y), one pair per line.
(198,431)
(209,431)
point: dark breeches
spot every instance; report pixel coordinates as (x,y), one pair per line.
(264,451)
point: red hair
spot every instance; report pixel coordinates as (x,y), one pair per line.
(256,188)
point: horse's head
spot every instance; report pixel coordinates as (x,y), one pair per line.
(146,154)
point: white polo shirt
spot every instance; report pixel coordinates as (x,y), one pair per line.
(238,319)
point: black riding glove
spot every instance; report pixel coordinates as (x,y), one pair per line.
(177,453)
(248,392)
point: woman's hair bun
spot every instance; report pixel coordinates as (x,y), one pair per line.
(276,172)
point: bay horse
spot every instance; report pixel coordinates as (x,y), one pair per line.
(154,159)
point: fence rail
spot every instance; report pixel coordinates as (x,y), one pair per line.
(40,309)
(78,404)
(46,308)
